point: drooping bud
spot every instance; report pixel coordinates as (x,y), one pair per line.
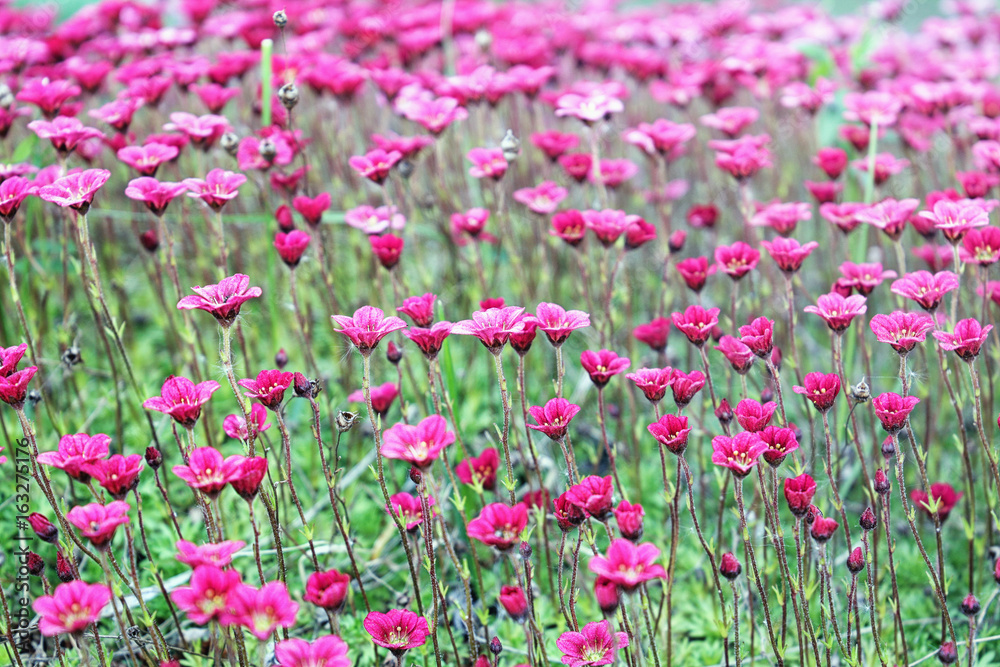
(675,242)
(947,654)
(154,458)
(280,19)
(856,561)
(882,485)
(281,359)
(301,385)
(286,222)
(35,564)
(288,95)
(868,521)
(608,597)
(970,605)
(861,392)
(729,567)
(149,240)
(511,146)
(63,569)
(393,353)
(724,413)
(43,528)
(888,448)
(514,602)
(766,395)
(415,475)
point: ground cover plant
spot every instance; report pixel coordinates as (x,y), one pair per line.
(472,333)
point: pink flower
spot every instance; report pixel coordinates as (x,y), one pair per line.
(48,95)
(966,340)
(420,309)
(118,113)
(628,565)
(557,322)
(925,288)
(147,159)
(661,137)
(639,232)
(312,209)
(97,522)
(514,602)
(736,260)
(419,444)
(652,382)
(955,219)
(602,365)
(685,386)
(399,630)
(696,323)
(409,147)
(327,589)
(487,163)
(375,165)
(327,651)
(752,416)
(291,246)
(612,173)
(65,133)
(731,121)
(863,278)
(743,158)
(409,509)
(695,271)
(260,611)
(235,426)
(593,495)
(182,399)
(737,353)
(214,96)
(75,452)
(894,410)
(825,192)
(480,469)
(367,327)
(71,608)
(75,191)
(568,515)
(788,254)
(671,431)
(430,340)
(388,249)
(492,326)
(976,183)
(10,357)
(217,188)
(782,217)
(212,554)
(224,300)
(247,483)
(838,311)
(268,387)
(844,216)
(118,475)
(569,226)
(554,143)
(595,645)
(629,520)
(554,417)
(208,472)
(821,389)
(203,131)
(207,597)
(435,115)
(886,165)
(499,525)
(889,215)
(979,246)
(14,387)
(589,108)
(942,496)
(578,166)
(156,195)
(832,161)
(901,330)
(739,453)
(799,492)
(607,225)
(13,192)
(780,441)
(873,107)
(542,199)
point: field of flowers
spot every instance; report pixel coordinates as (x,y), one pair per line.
(345,333)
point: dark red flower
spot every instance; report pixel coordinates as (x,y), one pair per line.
(799,492)
(942,496)
(592,495)
(821,389)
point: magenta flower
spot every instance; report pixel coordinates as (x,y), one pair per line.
(612,173)
(235,426)
(472,222)
(589,108)
(603,365)
(268,387)
(979,246)
(799,492)
(399,630)
(326,651)
(13,192)
(788,254)
(595,645)
(217,188)
(147,159)
(208,472)
(554,143)
(629,518)
(65,133)
(419,444)
(696,323)
(206,597)
(382,397)
(569,226)
(10,357)
(260,611)
(49,95)
(653,334)
(97,522)
(367,327)
(480,469)
(607,225)
(731,121)
(955,219)
(942,496)
(557,322)
(554,417)
(75,452)
(901,330)
(430,340)
(327,589)
(966,340)
(671,431)
(838,311)
(742,158)
(782,217)
(685,386)
(291,246)
(14,387)
(737,353)
(542,199)
(487,163)
(821,389)
(182,399)
(224,300)
(894,410)
(780,441)
(213,554)
(873,108)
(593,495)
(736,260)
(312,209)
(739,453)
(247,483)
(117,475)
(752,416)
(925,288)
(409,509)
(388,249)
(492,326)
(652,382)
(889,215)
(435,115)
(886,165)
(628,565)
(156,195)
(75,191)
(203,131)
(758,336)
(863,278)
(71,608)
(420,309)
(661,137)
(375,165)
(499,525)
(843,216)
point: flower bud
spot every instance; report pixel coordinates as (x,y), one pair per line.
(268,150)
(393,353)
(608,598)
(149,240)
(280,18)
(6,96)
(230,143)
(495,646)
(888,448)
(868,521)
(281,359)
(514,602)
(415,475)
(766,395)
(882,485)
(970,605)
(405,169)
(947,654)
(286,222)
(861,392)
(35,564)
(43,528)
(63,569)
(288,95)
(511,146)
(856,561)
(154,458)
(526,551)
(629,519)
(724,413)
(823,528)
(675,242)
(776,357)
(302,386)
(729,567)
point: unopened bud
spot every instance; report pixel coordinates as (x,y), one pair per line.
(149,240)
(6,96)
(766,395)
(393,353)
(43,528)
(281,359)
(35,564)
(288,95)
(230,142)
(868,521)
(676,240)
(268,150)
(280,19)
(286,221)
(415,475)
(729,567)
(888,448)
(63,569)
(970,605)
(405,169)
(525,551)
(154,458)
(511,146)
(495,646)
(724,413)
(861,392)
(882,485)
(947,654)
(856,561)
